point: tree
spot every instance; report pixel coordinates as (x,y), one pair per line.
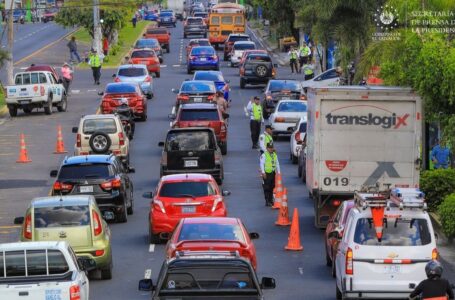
(4,56)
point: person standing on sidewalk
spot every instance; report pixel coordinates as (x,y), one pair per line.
(134,20)
(73,49)
(269,168)
(67,76)
(440,155)
(293,55)
(94,60)
(255,112)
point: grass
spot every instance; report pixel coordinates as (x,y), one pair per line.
(2,99)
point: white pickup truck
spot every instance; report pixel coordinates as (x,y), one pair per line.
(42,270)
(36,89)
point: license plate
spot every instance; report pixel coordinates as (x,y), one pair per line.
(86,189)
(392,269)
(144,62)
(166,19)
(190,163)
(53,294)
(203,59)
(24,101)
(198,99)
(188,209)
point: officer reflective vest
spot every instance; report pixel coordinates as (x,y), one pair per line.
(270,162)
(95,60)
(257,112)
(267,139)
(304,51)
(293,55)
(307,70)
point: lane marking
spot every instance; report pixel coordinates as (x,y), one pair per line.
(75,91)
(10,226)
(148,274)
(152,248)
(301,270)
(163,66)
(175,66)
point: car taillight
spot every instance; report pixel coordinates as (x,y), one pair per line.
(226,87)
(273,72)
(297,137)
(148,79)
(117,79)
(183,97)
(223,128)
(164,157)
(157,204)
(217,157)
(349,262)
(214,57)
(75,292)
(435,254)
(28,227)
(192,57)
(65,187)
(302,97)
(98,253)
(279,119)
(336,202)
(78,140)
(210,97)
(97,228)
(121,139)
(111,184)
(218,201)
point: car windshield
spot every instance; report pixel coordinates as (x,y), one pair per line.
(236,38)
(203,51)
(297,106)
(166,14)
(396,232)
(131,72)
(259,57)
(195,86)
(244,46)
(199,115)
(147,43)
(190,140)
(200,43)
(211,231)
(58,216)
(84,171)
(186,189)
(143,54)
(194,21)
(210,76)
(106,125)
(120,88)
(284,85)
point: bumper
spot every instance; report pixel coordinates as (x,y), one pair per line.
(282,128)
(203,66)
(217,39)
(197,31)
(235,60)
(161,222)
(101,261)
(256,80)
(154,68)
(26,101)
(166,23)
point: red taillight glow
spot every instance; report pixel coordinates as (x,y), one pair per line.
(121,139)
(28,227)
(214,57)
(59,186)
(268,97)
(279,120)
(117,79)
(78,140)
(302,97)
(210,97)
(148,79)
(111,184)
(192,57)
(336,202)
(349,262)
(157,204)
(75,292)
(183,97)
(297,137)
(97,229)
(223,127)
(99,253)
(242,71)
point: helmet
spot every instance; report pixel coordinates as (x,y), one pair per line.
(433,269)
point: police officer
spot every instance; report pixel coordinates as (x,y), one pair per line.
(254,110)
(94,60)
(265,138)
(293,55)
(269,167)
(434,287)
(304,54)
(308,71)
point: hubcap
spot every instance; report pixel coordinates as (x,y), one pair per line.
(262,71)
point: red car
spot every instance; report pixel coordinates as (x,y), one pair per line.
(183,196)
(146,57)
(334,231)
(114,92)
(203,115)
(161,34)
(214,234)
(195,43)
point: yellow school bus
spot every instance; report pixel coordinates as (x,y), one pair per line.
(224,19)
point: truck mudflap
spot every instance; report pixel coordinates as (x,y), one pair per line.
(326,204)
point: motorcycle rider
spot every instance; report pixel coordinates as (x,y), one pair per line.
(434,287)
(126,113)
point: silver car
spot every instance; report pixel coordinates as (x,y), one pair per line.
(136,73)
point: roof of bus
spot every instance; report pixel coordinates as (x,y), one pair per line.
(227,6)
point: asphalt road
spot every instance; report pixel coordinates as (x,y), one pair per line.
(299,275)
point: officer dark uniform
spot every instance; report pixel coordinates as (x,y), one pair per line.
(434,287)
(254,109)
(269,167)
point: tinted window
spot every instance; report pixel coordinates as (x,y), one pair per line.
(215,21)
(292,107)
(284,85)
(194,21)
(259,57)
(143,54)
(166,14)
(184,189)
(120,88)
(157,31)
(236,38)
(103,125)
(26,78)
(59,216)
(302,127)
(15,263)
(244,46)
(147,43)
(330,74)
(57,262)
(226,20)
(131,72)
(197,87)
(84,171)
(34,78)
(190,140)
(208,76)
(211,231)
(202,51)
(199,115)
(18,80)
(36,262)
(42,78)
(396,232)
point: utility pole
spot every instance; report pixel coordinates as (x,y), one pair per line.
(96,27)
(10,62)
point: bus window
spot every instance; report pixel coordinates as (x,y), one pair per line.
(238,20)
(226,20)
(215,20)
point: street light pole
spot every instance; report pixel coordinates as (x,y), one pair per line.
(96,27)
(10,62)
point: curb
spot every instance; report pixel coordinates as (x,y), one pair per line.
(3,111)
(265,45)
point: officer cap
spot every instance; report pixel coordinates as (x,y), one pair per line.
(268,127)
(270,145)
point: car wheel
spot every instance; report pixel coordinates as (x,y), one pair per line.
(339,295)
(48,106)
(12,111)
(100,142)
(293,159)
(261,71)
(62,106)
(184,36)
(334,270)
(153,238)
(106,273)
(188,70)
(328,260)
(130,209)
(223,148)
(168,49)
(122,217)
(27,110)
(299,171)
(158,74)
(242,83)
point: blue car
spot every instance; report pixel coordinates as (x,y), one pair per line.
(203,58)
(221,84)
(151,16)
(166,18)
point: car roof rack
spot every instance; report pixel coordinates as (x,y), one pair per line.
(207,254)
(408,198)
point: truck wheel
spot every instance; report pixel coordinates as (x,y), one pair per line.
(100,142)
(12,111)
(62,106)
(48,106)
(106,273)
(122,216)
(242,83)
(158,74)
(223,148)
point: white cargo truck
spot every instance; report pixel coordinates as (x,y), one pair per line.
(360,136)
(178,7)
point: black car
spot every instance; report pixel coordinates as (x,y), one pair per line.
(277,90)
(207,275)
(194,26)
(257,69)
(192,150)
(104,177)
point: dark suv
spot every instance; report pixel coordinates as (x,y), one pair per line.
(102,176)
(231,39)
(279,89)
(194,26)
(192,150)
(257,69)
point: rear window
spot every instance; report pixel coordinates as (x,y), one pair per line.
(199,115)
(194,21)
(302,127)
(32,263)
(190,140)
(157,31)
(292,107)
(120,88)
(187,189)
(104,125)
(284,85)
(143,54)
(259,57)
(237,38)
(208,76)
(132,72)
(147,43)
(197,87)
(396,232)
(84,171)
(202,15)
(61,216)
(226,20)
(211,231)
(244,46)
(203,51)
(166,14)
(200,43)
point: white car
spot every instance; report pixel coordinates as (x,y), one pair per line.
(296,141)
(383,252)
(238,49)
(286,114)
(327,78)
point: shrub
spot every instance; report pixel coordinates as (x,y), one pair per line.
(437,184)
(446,212)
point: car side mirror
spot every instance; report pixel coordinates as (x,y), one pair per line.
(74,129)
(171,116)
(275,65)
(100,93)
(145,285)
(86,264)
(226,193)
(161,144)
(114,75)
(18,220)
(148,195)
(53,173)
(131,170)
(175,91)
(334,234)
(254,235)
(127,57)
(268,283)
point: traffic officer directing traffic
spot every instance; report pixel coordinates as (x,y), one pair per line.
(265,138)
(269,167)
(254,109)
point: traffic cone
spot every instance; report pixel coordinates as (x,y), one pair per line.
(277,192)
(59,147)
(283,214)
(294,235)
(23,157)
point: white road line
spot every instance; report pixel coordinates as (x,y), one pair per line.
(301,270)
(152,248)
(75,91)
(175,66)
(163,66)
(91,90)
(148,274)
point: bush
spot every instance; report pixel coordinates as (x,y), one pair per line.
(437,184)
(446,212)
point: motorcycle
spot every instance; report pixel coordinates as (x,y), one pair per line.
(127,118)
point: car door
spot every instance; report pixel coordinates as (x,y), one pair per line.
(122,172)
(56,88)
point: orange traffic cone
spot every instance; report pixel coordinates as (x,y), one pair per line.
(278,192)
(294,235)
(283,214)
(59,147)
(23,157)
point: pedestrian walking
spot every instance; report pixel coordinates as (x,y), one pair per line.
(254,109)
(222,104)
(67,76)
(440,155)
(293,55)
(94,60)
(72,45)
(308,70)
(134,21)
(304,55)
(269,168)
(265,138)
